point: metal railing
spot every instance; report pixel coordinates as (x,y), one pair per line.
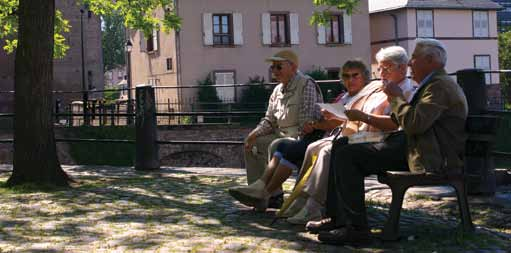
(154,115)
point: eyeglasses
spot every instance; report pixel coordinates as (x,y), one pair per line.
(276,66)
(347,76)
(385,69)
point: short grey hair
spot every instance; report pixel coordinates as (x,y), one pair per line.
(434,48)
(395,54)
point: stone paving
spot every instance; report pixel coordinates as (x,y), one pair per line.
(116,209)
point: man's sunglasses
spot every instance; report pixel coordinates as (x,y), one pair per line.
(346,76)
(276,66)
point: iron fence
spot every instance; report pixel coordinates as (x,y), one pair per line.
(182,104)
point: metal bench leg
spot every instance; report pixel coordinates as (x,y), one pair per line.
(391,227)
(466,220)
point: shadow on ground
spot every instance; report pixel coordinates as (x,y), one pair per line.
(173,210)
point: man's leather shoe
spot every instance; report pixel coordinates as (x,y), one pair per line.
(345,235)
(326,224)
(276,201)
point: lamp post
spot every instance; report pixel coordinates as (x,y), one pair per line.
(128,48)
(85,95)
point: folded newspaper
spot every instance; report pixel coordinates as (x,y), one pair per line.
(366,137)
(336,109)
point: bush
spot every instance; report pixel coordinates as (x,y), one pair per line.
(254,98)
(93,153)
(209,100)
(111,94)
(317,74)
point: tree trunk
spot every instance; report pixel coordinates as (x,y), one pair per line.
(35,156)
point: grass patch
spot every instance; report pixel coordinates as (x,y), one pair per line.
(114,154)
(29,188)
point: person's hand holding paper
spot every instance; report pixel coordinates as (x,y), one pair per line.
(337,109)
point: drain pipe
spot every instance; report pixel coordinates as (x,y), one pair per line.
(396,38)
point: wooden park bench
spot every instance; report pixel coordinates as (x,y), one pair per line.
(481,129)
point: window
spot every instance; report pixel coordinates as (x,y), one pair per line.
(169,64)
(425,24)
(120,74)
(335,30)
(225,77)
(222,29)
(151,42)
(480,23)
(483,62)
(279,29)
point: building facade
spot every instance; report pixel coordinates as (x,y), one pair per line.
(468,28)
(228,41)
(68,70)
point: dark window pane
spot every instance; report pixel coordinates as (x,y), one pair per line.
(335,30)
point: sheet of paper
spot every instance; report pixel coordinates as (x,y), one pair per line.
(336,108)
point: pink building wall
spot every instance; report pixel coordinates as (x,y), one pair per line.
(194,61)
(452,27)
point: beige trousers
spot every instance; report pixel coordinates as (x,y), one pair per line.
(317,184)
(256,162)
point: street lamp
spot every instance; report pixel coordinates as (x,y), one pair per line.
(128,48)
(85,95)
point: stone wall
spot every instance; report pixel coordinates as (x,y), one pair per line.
(189,155)
(211,155)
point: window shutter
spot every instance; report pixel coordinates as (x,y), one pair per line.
(238,28)
(266,28)
(207,28)
(295,27)
(321,34)
(155,40)
(347,28)
(143,43)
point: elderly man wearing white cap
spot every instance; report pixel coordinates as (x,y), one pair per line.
(292,105)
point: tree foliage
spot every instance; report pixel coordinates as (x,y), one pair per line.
(113,41)
(9,28)
(505,63)
(138,15)
(325,8)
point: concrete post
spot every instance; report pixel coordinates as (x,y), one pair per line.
(147,150)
